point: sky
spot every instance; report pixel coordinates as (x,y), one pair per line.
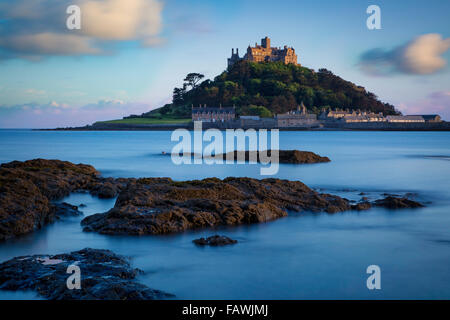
(130,54)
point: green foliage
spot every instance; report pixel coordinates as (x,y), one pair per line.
(275,86)
(253,110)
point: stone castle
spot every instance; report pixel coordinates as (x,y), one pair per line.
(265,53)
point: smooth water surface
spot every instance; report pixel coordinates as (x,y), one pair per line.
(303,256)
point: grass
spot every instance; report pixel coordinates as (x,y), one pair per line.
(149,121)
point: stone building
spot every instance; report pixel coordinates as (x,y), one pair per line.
(213,114)
(405,119)
(265,53)
(353,116)
(297,118)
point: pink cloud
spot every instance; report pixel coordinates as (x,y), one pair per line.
(435,103)
(56,114)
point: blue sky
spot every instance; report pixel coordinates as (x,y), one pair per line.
(99,75)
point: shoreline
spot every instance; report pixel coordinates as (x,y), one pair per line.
(444,126)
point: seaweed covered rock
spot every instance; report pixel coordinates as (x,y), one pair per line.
(284,156)
(28,188)
(103,276)
(214,241)
(391,202)
(161,206)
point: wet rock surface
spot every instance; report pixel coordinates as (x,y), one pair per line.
(285,156)
(161,205)
(28,188)
(214,241)
(104,275)
(392,202)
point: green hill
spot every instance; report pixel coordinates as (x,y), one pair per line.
(269,88)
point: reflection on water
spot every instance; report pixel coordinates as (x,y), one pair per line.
(302,256)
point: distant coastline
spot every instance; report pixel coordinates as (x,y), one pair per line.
(375,126)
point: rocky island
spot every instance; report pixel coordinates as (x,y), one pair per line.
(284,156)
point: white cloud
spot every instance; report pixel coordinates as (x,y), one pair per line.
(48,43)
(121,20)
(36,29)
(420,56)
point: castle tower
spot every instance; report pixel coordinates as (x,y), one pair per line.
(265,43)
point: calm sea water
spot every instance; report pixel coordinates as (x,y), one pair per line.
(303,256)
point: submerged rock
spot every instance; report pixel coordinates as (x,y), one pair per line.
(214,241)
(285,156)
(64,209)
(104,276)
(161,205)
(391,202)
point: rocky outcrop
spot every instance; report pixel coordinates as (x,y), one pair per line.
(214,241)
(154,205)
(104,276)
(285,156)
(391,202)
(28,188)
(161,205)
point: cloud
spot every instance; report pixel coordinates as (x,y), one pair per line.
(437,102)
(57,114)
(36,29)
(420,56)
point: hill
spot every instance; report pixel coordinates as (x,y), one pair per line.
(267,89)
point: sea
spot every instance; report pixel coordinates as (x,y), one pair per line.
(303,256)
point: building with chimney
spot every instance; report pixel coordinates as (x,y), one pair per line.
(213,114)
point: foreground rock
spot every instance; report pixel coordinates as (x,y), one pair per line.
(391,202)
(28,188)
(214,241)
(161,205)
(104,276)
(285,156)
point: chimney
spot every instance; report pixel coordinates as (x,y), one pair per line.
(232,51)
(237,51)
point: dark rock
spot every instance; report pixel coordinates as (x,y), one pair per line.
(104,276)
(161,206)
(64,209)
(27,189)
(107,191)
(82,205)
(285,156)
(391,202)
(364,205)
(214,241)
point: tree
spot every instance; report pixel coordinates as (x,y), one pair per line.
(192,79)
(178,95)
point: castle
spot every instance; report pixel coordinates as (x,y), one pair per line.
(265,53)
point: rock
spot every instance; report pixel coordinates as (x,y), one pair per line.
(214,241)
(360,206)
(27,189)
(285,156)
(391,202)
(107,191)
(64,209)
(104,276)
(161,206)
